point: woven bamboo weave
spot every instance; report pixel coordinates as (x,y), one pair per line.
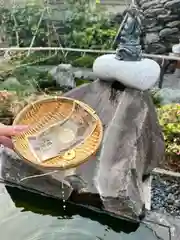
(43,113)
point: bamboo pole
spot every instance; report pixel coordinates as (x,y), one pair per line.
(159,56)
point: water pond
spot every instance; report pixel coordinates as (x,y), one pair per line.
(27,216)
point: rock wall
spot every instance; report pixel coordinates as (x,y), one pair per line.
(161,25)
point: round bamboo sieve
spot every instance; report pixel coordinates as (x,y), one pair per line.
(45,112)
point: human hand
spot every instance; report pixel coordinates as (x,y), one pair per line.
(6,132)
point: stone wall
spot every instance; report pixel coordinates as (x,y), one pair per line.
(162,24)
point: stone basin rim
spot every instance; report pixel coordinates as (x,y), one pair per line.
(163,171)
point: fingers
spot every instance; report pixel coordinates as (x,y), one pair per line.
(6,142)
(12,130)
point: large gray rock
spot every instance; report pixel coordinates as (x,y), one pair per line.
(132,146)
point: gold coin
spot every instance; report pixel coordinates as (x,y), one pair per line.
(69,155)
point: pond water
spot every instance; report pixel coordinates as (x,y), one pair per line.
(27,216)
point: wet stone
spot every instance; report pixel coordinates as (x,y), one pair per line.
(151,38)
(168,31)
(170,198)
(149,23)
(155,48)
(162,18)
(149,4)
(177,204)
(168,17)
(172,4)
(155,29)
(173,24)
(154,12)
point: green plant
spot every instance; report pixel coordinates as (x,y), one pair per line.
(169,119)
(155,96)
(83,27)
(88,27)
(84,61)
(21,24)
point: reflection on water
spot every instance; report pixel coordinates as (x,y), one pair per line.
(27,216)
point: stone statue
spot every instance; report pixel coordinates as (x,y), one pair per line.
(144,72)
(129,48)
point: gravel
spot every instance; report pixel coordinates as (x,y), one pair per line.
(166,194)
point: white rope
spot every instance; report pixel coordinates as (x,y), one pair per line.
(172,57)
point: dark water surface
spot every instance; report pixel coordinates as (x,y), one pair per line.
(27,216)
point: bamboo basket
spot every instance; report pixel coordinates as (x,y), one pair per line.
(43,113)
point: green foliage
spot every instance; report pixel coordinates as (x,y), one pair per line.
(84,61)
(155,96)
(20,25)
(169,119)
(81,81)
(88,27)
(83,27)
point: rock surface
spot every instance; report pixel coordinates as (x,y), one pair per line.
(108,68)
(116,163)
(168,95)
(119,163)
(161,19)
(65,75)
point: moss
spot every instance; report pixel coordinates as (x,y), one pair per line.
(155,96)
(85,61)
(81,81)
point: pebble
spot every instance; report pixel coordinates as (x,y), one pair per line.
(177,203)
(166,195)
